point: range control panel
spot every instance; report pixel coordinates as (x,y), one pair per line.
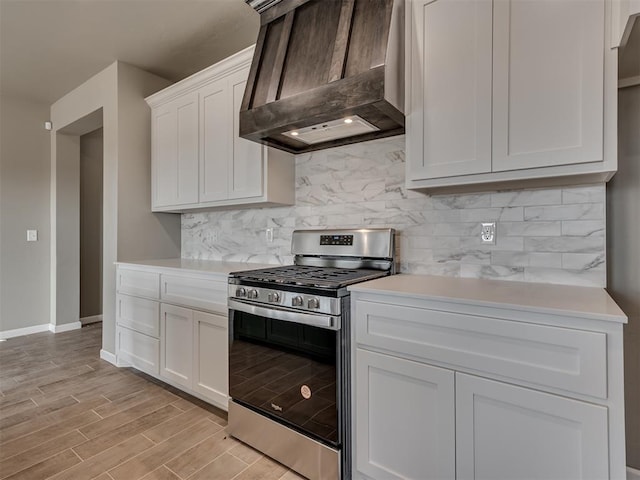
(336,239)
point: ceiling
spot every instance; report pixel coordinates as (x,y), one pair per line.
(49,47)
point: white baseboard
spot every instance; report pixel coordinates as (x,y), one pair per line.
(92,319)
(633,474)
(108,357)
(19,332)
(65,327)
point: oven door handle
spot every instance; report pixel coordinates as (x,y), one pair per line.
(313,319)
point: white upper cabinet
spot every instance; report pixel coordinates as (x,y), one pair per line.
(515,91)
(449,130)
(547,83)
(245,176)
(175,152)
(215,139)
(198,158)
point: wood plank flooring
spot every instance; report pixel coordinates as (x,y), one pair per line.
(66,414)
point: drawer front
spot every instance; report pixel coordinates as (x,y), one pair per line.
(203,293)
(138,350)
(570,360)
(135,282)
(139,314)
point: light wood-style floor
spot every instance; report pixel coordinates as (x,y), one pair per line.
(66,414)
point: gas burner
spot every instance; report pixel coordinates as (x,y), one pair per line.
(301,275)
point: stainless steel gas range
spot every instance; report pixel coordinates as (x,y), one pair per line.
(289,352)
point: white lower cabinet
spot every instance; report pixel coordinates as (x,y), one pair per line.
(405,418)
(138,350)
(168,338)
(504,432)
(477,390)
(176,344)
(193,351)
(210,355)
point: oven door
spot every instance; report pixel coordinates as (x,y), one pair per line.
(283,364)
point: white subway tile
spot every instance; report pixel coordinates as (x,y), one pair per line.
(583,261)
(549,260)
(528,229)
(509,259)
(588,211)
(521,198)
(564,244)
(581,278)
(585,228)
(495,272)
(584,194)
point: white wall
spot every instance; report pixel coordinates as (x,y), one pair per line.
(24,203)
(130,230)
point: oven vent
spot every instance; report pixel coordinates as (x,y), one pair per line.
(324,132)
(318,62)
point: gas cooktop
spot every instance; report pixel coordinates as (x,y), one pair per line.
(309,276)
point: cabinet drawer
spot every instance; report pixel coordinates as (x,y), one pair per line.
(138,350)
(139,314)
(204,293)
(561,358)
(136,282)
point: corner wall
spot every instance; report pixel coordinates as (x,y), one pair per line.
(130,230)
(623,248)
(24,204)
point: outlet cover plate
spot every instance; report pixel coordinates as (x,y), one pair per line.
(488,233)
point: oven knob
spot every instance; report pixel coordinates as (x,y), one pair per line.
(297,301)
(241,292)
(273,297)
(313,303)
(253,293)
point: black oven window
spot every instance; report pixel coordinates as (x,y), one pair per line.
(286,371)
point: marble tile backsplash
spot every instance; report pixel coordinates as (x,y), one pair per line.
(552,235)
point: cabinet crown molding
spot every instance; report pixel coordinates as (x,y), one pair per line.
(192,83)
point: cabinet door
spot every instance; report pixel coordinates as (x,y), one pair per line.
(175,152)
(176,344)
(210,357)
(215,141)
(405,426)
(449,115)
(507,432)
(548,91)
(246,174)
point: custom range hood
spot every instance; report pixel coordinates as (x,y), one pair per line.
(325,73)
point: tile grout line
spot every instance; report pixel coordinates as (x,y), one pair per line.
(151,440)
(165,466)
(208,463)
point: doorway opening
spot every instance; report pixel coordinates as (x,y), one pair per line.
(91,179)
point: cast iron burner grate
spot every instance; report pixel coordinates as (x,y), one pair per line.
(325,277)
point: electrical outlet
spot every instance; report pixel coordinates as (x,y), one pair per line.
(269,235)
(212,236)
(488,233)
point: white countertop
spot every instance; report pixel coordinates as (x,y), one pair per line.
(197,266)
(584,302)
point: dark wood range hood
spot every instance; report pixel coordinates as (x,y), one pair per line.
(325,73)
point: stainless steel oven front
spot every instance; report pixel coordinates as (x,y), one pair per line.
(289,385)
